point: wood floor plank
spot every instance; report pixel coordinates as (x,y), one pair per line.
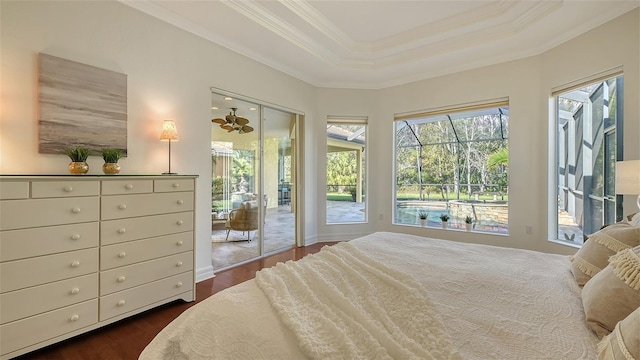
(126,339)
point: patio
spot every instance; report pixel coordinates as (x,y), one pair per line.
(278,233)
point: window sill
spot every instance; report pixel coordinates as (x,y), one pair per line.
(566,243)
(473,231)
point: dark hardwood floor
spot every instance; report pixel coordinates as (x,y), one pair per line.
(127,338)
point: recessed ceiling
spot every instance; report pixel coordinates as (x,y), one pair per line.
(370,44)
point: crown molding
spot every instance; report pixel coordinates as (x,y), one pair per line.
(426,51)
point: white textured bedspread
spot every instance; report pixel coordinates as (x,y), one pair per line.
(494,303)
(342,304)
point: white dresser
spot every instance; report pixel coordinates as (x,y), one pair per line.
(80,252)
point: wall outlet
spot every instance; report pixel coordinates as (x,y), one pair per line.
(529,229)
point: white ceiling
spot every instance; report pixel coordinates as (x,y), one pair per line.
(372,44)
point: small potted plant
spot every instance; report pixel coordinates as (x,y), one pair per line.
(111,157)
(468,221)
(444,218)
(78,156)
(423,218)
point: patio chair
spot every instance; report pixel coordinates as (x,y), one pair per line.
(244,218)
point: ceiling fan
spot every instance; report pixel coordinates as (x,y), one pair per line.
(232,122)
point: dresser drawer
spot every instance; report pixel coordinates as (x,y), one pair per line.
(124,206)
(20,214)
(19,244)
(120,187)
(14,190)
(128,253)
(171,185)
(20,274)
(67,188)
(137,297)
(116,231)
(141,273)
(29,331)
(20,304)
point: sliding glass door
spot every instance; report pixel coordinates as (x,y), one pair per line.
(253,180)
(279,179)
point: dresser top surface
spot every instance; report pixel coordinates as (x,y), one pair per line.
(91,177)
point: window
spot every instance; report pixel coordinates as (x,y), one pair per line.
(587,119)
(346,170)
(453,161)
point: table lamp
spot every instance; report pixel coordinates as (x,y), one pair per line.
(628,178)
(169,132)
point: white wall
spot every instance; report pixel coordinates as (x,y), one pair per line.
(347,102)
(527,83)
(614,44)
(520,82)
(169,71)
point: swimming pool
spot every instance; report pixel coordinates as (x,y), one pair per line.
(407,213)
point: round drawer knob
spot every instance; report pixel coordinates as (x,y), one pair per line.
(179,222)
(122,206)
(121,303)
(75,318)
(175,185)
(68,188)
(179,243)
(75,210)
(75,264)
(179,263)
(122,254)
(121,279)
(75,237)
(75,291)
(180,202)
(122,231)
(179,284)
(128,186)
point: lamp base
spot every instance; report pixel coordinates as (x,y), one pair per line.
(169,173)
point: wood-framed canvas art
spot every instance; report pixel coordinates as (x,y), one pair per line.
(80,105)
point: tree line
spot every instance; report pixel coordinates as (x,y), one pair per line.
(453,155)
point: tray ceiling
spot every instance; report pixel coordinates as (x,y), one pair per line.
(371,44)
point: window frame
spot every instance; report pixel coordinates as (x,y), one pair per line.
(466,111)
(583,187)
(353,121)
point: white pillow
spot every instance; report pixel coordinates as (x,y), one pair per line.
(635,220)
(624,342)
(613,293)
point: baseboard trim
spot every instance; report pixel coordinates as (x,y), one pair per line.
(341,237)
(204,273)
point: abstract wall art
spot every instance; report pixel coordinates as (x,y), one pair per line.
(80,105)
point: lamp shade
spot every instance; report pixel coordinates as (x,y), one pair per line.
(169,131)
(628,177)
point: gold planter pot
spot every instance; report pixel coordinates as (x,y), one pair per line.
(111,168)
(78,167)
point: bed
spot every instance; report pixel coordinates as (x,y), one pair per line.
(392,296)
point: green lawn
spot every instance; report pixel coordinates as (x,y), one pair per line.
(339,197)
